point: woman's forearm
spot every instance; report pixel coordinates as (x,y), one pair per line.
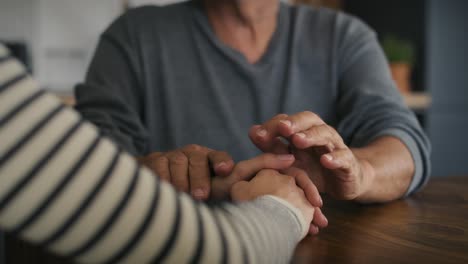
(67,189)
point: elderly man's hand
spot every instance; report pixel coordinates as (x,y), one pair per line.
(319,150)
(190,168)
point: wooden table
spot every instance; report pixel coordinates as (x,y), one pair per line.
(429,227)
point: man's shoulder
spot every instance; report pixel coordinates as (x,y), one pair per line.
(151,18)
(335,21)
(152,15)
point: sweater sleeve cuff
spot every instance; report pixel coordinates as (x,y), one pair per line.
(302,226)
(419,177)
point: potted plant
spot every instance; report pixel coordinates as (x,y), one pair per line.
(400,54)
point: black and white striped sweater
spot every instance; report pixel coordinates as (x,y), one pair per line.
(64,187)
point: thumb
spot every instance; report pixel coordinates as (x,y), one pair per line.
(246,170)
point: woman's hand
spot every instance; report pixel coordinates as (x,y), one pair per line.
(294,186)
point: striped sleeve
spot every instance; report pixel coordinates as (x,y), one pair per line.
(73,192)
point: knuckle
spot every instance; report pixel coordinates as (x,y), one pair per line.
(334,134)
(348,156)
(241,170)
(198,160)
(163,160)
(331,129)
(264,160)
(300,191)
(348,196)
(267,172)
(328,131)
(223,153)
(193,148)
(323,131)
(289,179)
(314,133)
(347,178)
(178,158)
(309,114)
(312,115)
(241,166)
(280,116)
(153,156)
(220,155)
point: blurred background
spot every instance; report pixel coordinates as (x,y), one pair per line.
(425,41)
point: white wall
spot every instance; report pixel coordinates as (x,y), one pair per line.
(67,35)
(16,19)
(152,2)
(61,35)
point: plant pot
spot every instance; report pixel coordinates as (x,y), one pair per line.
(401,73)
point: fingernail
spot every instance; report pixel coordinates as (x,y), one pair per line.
(198,193)
(321,201)
(314,229)
(301,135)
(261,132)
(328,157)
(286,122)
(285,157)
(220,165)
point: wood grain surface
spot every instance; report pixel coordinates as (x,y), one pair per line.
(429,227)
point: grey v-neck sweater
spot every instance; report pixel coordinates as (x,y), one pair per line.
(161,79)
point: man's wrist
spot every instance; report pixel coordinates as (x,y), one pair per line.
(367,179)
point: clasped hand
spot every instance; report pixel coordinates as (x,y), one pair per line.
(300,147)
(188,169)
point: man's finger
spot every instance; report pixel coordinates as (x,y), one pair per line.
(287,126)
(199,175)
(338,160)
(178,166)
(280,146)
(149,160)
(318,136)
(246,169)
(222,162)
(160,166)
(283,126)
(299,122)
(263,135)
(261,139)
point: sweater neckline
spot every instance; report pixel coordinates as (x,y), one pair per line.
(267,57)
